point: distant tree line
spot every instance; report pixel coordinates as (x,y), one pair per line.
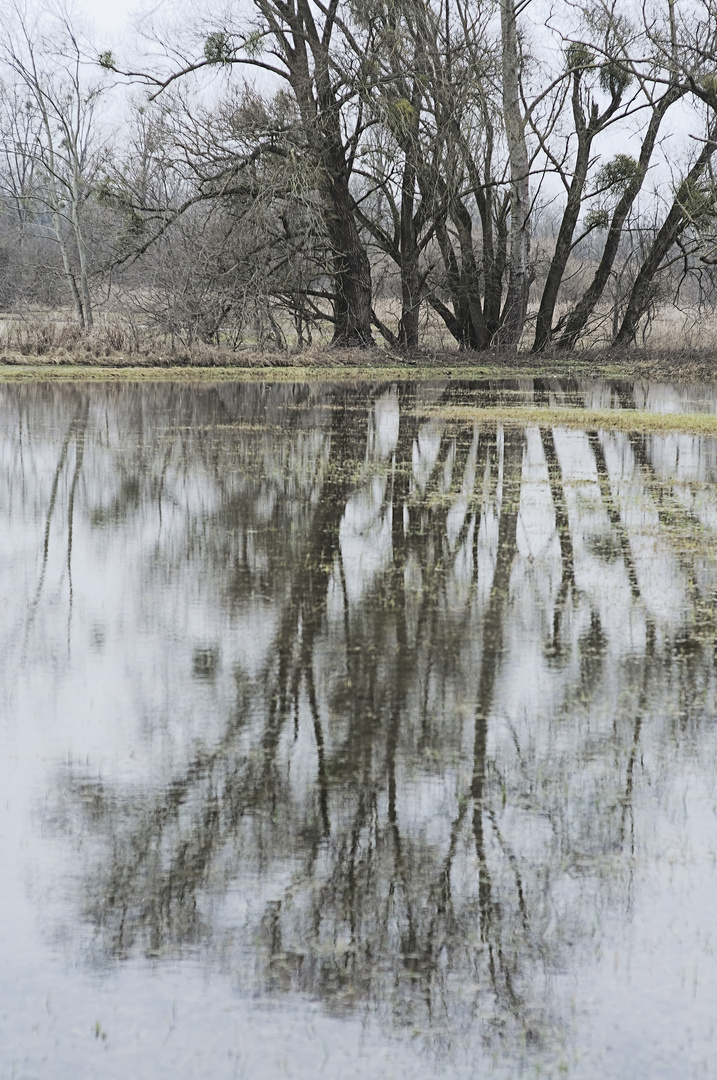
(366,167)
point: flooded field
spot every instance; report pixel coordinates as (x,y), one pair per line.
(343,734)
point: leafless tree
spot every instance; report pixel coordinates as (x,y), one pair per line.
(53,140)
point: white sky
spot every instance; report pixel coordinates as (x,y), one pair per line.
(111,19)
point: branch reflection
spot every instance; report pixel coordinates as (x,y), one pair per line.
(463,649)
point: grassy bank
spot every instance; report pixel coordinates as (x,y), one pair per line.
(359,364)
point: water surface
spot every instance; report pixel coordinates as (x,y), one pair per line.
(339,739)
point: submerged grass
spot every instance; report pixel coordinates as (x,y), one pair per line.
(695,423)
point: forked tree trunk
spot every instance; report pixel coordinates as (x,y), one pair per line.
(678,219)
(582,311)
(585,133)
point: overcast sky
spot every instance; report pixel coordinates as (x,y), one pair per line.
(111,19)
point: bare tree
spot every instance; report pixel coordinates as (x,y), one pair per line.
(302,38)
(61,148)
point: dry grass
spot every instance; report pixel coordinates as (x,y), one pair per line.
(367,364)
(46,345)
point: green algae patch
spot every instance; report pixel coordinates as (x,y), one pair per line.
(696,423)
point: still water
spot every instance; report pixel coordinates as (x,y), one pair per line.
(338,739)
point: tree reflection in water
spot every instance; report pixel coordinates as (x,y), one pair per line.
(464,648)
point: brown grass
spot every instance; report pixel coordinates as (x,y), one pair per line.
(328,363)
(48,346)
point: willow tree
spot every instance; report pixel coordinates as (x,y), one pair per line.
(293,42)
(669,59)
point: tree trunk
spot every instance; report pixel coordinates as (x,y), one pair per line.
(478,335)
(585,134)
(563,247)
(493,253)
(516,303)
(307,59)
(80,240)
(67,268)
(351,270)
(410,275)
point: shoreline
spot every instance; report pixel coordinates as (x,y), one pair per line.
(355,365)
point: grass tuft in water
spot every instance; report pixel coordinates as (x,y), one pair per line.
(584,419)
